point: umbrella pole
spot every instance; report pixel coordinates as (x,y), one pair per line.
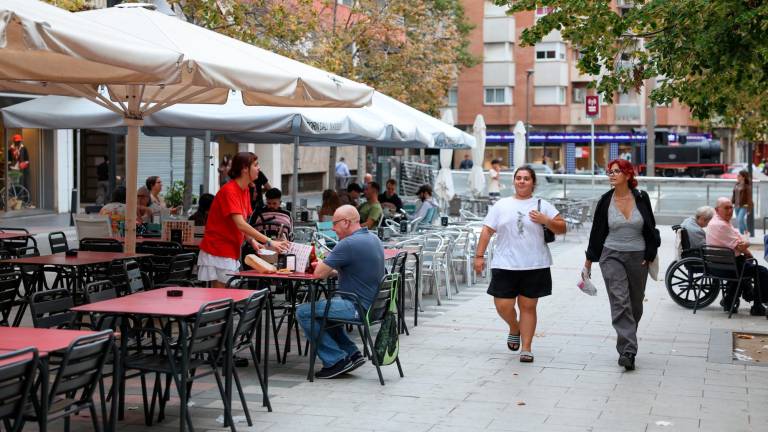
(131,174)
(295,178)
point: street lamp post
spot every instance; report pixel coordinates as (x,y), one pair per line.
(528,74)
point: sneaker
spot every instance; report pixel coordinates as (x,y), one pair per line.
(628,361)
(341,367)
(357,360)
(757,310)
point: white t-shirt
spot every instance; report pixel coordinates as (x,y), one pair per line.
(520,241)
(493,183)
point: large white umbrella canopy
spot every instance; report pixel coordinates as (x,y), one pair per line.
(212,65)
(476,176)
(444,181)
(519,146)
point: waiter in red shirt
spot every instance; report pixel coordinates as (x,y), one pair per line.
(227,224)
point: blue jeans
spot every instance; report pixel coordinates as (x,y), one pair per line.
(741,219)
(334,345)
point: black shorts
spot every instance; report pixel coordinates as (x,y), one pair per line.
(528,283)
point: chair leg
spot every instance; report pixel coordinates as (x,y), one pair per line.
(242,396)
(399,366)
(375,360)
(263,380)
(147,414)
(227,406)
(94,418)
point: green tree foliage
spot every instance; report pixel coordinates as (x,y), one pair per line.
(70,5)
(709,54)
(410,50)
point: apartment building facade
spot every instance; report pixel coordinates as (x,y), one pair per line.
(541,86)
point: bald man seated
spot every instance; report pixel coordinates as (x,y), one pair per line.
(358,260)
(721,233)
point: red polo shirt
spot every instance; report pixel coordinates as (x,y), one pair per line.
(222,238)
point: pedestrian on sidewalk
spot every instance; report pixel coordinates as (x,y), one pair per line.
(624,239)
(520,271)
(742,199)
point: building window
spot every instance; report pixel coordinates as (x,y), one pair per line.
(550,51)
(549,95)
(453,96)
(498,96)
(579,95)
(497,52)
(492,10)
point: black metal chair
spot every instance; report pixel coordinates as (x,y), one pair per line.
(79,370)
(17,376)
(99,291)
(11,245)
(127,277)
(161,254)
(51,309)
(721,264)
(178,271)
(370,317)
(58,242)
(245,335)
(179,360)
(9,297)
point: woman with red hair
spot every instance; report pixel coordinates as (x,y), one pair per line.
(624,239)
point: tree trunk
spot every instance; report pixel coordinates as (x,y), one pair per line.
(188,154)
(332,167)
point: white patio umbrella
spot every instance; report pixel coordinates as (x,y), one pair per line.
(519,148)
(476,176)
(213,64)
(444,181)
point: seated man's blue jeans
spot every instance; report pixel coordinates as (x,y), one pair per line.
(334,345)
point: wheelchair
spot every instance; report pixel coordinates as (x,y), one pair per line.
(685,279)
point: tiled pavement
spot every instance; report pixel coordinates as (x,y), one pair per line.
(459,375)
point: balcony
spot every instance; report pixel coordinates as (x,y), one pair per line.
(498,29)
(578,115)
(499,74)
(551,73)
(629,114)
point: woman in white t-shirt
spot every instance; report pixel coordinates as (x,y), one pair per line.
(521,259)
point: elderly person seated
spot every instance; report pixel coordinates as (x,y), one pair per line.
(695,225)
(721,233)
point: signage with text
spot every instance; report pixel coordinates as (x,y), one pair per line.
(593,106)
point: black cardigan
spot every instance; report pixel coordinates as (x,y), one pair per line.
(600,226)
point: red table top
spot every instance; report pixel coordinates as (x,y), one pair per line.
(45,340)
(157,302)
(391,253)
(289,276)
(82,258)
(12,235)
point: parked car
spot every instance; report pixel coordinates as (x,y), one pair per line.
(733,171)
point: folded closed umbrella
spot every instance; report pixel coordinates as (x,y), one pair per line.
(476,176)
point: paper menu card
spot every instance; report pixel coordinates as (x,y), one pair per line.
(302,252)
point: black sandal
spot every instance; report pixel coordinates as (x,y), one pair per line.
(526,357)
(513,342)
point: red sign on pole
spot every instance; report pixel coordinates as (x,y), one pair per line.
(593,106)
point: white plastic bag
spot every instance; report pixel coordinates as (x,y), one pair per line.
(653,268)
(585,283)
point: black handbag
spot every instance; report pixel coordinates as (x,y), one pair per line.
(549,236)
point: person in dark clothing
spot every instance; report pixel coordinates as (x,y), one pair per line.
(390,196)
(466,163)
(102,185)
(624,239)
(260,185)
(203,207)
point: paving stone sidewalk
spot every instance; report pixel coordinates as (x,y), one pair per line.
(459,375)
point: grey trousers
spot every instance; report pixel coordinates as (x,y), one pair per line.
(625,278)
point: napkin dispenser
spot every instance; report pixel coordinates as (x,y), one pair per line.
(175,293)
(71,252)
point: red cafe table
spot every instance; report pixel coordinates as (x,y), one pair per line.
(49,341)
(157,303)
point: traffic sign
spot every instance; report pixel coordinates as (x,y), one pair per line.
(593,106)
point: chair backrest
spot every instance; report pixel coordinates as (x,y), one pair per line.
(93,227)
(685,240)
(127,277)
(181,267)
(100,290)
(94,244)
(272,224)
(248,319)
(17,375)
(51,309)
(80,369)
(9,293)
(429,216)
(326,229)
(387,290)
(719,262)
(58,242)
(398,263)
(27,251)
(11,245)
(209,332)
(159,248)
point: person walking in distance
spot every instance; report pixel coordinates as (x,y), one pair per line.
(742,199)
(624,239)
(520,273)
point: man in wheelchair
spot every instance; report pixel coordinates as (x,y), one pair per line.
(721,233)
(694,226)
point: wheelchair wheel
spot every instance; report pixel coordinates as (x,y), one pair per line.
(685,281)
